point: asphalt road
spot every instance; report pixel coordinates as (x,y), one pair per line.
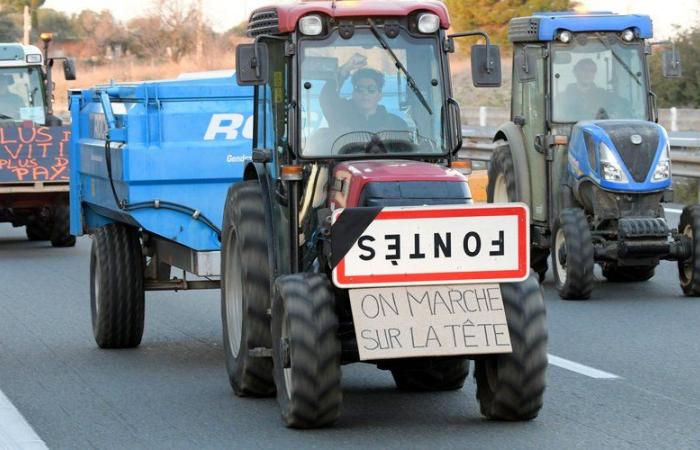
(173,393)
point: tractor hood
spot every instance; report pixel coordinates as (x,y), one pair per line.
(621,155)
(396,183)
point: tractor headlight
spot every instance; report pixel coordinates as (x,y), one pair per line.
(628,35)
(565,37)
(311,25)
(663,167)
(33,58)
(428,23)
(610,168)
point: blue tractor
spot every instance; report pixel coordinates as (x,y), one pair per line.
(584,150)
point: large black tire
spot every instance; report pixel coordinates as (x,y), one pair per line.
(306,351)
(689,270)
(245,292)
(511,386)
(572,255)
(501,188)
(116,287)
(38,230)
(433,374)
(60,226)
(621,274)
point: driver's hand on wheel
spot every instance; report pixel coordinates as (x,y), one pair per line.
(357,61)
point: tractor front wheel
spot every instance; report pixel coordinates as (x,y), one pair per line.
(511,386)
(689,269)
(572,255)
(306,351)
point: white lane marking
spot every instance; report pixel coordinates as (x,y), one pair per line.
(15,431)
(673,210)
(580,368)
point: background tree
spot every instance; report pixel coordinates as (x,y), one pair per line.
(9,31)
(18,6)
(683,92)
(493,16)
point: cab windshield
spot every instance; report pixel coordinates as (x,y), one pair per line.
(21,95)
(356,101)
(598,76)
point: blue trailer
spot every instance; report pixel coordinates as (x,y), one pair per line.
(158,157)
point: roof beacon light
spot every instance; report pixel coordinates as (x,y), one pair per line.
(428,23)
(311,25)
(565,37)
(628,35)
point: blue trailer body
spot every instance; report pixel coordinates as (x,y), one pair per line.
(175,146)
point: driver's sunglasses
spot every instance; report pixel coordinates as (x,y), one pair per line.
(365,89)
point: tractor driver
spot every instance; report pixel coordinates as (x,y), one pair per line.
(584,99)
(10,103)
(362,112)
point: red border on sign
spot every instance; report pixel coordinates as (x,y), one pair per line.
(522,271)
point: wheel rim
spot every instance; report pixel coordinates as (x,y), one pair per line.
(688,265)
(500,189)
(234,296)
(284,337)
(559,243)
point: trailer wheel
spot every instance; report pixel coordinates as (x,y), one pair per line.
(306,351)
(60,227)
(615,273)
(511,386)
(689,270)
(116,287)
(572,255)
(501,188)
(437,374)
(245,292)
(38,230)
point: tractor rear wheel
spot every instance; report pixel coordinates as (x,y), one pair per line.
(116,288)
(614,273)
(511,386)
(245,292)
(434,374)
(689,270)
(501,188)
(306,351)
(572,255)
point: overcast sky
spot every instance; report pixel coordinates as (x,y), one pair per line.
(223,14)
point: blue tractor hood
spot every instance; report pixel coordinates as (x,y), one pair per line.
(632,149)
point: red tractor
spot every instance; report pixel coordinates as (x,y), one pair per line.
(353,236)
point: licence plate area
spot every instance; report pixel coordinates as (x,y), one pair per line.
(403,246)
(418,321)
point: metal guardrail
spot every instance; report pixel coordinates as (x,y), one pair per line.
(685,149)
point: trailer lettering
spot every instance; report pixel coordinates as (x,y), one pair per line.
(229,125)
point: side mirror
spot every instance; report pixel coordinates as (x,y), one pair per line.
(486,66)
(453,124)
(252,64)
(671,63)
(69,69)
(525,66)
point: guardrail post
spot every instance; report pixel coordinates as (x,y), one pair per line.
(674,119)
(483,116)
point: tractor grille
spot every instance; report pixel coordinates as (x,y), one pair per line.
(637,158)
(263,22)
(415,193)
(524,29)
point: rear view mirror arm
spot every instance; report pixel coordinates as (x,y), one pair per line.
(489,69)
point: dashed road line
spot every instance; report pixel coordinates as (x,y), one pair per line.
(15,431)
(581,369)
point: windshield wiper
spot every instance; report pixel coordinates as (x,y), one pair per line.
(5,117)
(617,57)
(399,65)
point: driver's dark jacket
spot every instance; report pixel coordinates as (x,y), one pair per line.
(344,117)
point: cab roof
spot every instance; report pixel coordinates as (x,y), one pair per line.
(545,26)
(281,19)
(16,54)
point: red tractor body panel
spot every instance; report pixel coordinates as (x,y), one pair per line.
(289,15)
(350,178)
